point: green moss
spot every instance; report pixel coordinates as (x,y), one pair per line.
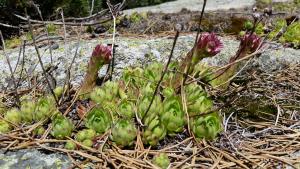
(137,17)
(51,28)
(13,42)
(292,35)
(279,24)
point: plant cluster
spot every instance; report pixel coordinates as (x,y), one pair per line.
(149,102)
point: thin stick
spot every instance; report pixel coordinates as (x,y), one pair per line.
(113,38)
(11,71)
(163,74)
(40,60)
(194,47)
(46,30)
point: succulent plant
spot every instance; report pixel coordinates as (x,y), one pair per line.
(124,133)
(58,91)
(173,116)
(197,100)
(87,143)
(126,109)
(153,71)
(154,131)
(39,131)
(61,127)
(28,111)
(4,127)
(70,145)
(161,160)
(45,108)
(108,93)
(207,126)
(84,134)
(13,115)
(143,104)
(133,76)
(98,120)
(168,92)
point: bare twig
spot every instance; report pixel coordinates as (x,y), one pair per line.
(40,61)
(162,75)
(11,71)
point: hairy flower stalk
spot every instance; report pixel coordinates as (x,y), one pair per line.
(101,55)
(208,45)
(124,133)
(62,127)
(249,44)
(207,126)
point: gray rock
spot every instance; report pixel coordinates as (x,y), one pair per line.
(138,52)
(33,159)
(193,5)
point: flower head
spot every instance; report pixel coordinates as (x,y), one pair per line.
(251,42)
(103,52)
(208,45)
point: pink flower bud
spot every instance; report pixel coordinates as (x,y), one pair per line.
(103,52)
(251,42)
(208,45)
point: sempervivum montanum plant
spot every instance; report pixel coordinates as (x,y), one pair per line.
(108,95)
(85,134)
(172,116)
(27,110)
(161,160)
(13,116)
(4,127)
(44,109)
(154,131)
(101,55)
(207,126)
(124,133)
(197,100)
(62,127)
(99,120)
